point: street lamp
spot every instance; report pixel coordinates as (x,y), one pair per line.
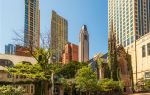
(136,57)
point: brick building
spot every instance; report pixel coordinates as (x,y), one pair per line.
(70,53)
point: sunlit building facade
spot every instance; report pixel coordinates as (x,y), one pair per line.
(70,53)
(131,23)
(84,44)
(59,34)
(9,79)
(32,23)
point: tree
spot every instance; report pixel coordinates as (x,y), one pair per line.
(68,84)
(68,71)
(67,75)
(32,72)
(43,55)
(28,70)
(10,90)
(103,66)
(86,80)
(112,55)
(130,69)
(106,85)
(146,85)
(38,73)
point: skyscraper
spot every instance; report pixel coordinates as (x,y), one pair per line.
(130,19)
(59,34)
(10,49)
(32,23)
(84,45)
(131,23)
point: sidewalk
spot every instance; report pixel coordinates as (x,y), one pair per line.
(140,94)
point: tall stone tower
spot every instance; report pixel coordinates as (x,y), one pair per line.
(84,44)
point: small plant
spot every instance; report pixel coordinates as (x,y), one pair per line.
(146,86)
(11,90)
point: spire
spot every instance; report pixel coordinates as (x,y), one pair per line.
(84,28)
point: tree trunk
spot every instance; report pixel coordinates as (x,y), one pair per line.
(80,93)
(86,93)
(71,91)
(46,89)
(52,80)
(89,93)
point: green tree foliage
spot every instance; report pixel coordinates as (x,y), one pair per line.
(86,80)
(67,75)
(28,70)
(68,84)
(130,69)
(42,71)
(104,66)
(112,55)
(147,85)
(68,71)
(106,85)
(10,90)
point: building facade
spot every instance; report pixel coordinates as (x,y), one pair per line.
(130,19)
(17,50)
(131,22)
(32,23)
(84,45)
(30,86)
(5,77)
(70,53)
(10,49)
(22,51)
(59,34)
(140,55)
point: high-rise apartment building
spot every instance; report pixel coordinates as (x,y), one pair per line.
(84,45)
(70,53)
(130,19)
(10,49)
(59,34)
(131,23)
(32,23)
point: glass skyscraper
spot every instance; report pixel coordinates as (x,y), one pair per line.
(10,49)
(32,23)
(130,19)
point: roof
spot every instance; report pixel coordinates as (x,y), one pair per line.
(105,56)
(17,59)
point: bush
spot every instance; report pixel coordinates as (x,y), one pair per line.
(10,90)
(108,85)
(146,86)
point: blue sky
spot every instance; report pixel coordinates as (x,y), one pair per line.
(93,13)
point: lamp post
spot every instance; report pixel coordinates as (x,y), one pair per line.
(136,58)
(135,61)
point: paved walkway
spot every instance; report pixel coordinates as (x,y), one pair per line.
(140,94)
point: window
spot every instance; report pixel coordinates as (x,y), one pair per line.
(132,39)
(148,49)
(147,74)
(9,76)
(143,51)
(85,37)
(32,89)
(5,62)
(128,41)
(124,43)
